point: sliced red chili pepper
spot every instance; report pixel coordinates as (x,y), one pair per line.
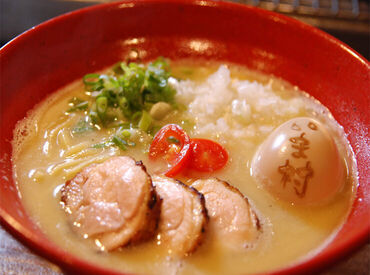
(173,143)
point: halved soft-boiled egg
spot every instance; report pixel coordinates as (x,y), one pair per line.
(300,163)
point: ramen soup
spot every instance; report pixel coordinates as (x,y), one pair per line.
(280,149)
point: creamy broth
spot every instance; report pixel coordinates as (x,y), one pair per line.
(50,154)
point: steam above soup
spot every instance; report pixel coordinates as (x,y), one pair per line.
(244,175)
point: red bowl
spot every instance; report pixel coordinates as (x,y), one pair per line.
(63,49)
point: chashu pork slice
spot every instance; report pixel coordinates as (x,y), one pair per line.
(113,202)
(183,218)
(233,223)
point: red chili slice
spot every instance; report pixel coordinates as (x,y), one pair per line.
(207,155)
(172,142)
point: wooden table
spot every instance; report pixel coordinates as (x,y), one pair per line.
(17,259)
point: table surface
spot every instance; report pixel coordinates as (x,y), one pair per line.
(17,259)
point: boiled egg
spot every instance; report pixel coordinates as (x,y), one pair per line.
(299,162)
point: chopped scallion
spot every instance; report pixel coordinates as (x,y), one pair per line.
(101,106)
(80,106)
(91,79)
(126,133)
(172,139)
(136,116)
(94,117)
(103,145)
(120,143)
(123,100)
(82,126)
(92,82)
(145,121)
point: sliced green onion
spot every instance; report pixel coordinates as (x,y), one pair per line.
(94,117)
(80,106)
(110,83)
(103,145)
(91,79)
(126,133)
(99,145)
(122,102)
(136,116)
(93,82)
(123,133)
(82,126)
(127,95)
(101,105)
(172,139)
(145,121)
(120,143)
(117,68)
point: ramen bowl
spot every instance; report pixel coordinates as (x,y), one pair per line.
(63,49)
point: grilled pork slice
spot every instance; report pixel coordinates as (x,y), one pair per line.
(113,202)
(232,223)
(183,216)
